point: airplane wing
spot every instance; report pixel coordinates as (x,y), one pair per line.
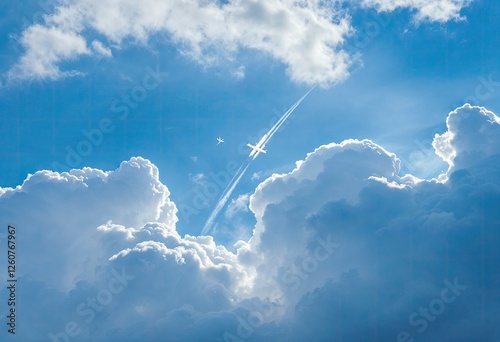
(253,150)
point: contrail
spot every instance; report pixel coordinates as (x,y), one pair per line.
(285,116)
(243,168)
(280,122)
(224,198)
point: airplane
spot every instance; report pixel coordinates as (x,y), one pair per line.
(256,149)
(219,140)
(259,147)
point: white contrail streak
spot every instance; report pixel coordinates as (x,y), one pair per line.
(225,196)
(285,116)
(243,168)
(262,143)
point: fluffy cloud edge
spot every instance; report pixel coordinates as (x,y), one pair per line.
(427,10)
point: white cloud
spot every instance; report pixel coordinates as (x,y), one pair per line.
(257,175)
(198,178)
(100,49)
(68,207)
(305,36)
(237,205)
(239,73)
(375,161)
(46,47)
(342,243)
(427,10)
(473,134)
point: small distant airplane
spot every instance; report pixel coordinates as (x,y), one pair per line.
(219,140)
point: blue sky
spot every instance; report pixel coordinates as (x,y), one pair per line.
(390,73)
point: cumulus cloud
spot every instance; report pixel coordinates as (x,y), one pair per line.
(460,147)
(307,37)
(345,248)
(60,211)
(427,10)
